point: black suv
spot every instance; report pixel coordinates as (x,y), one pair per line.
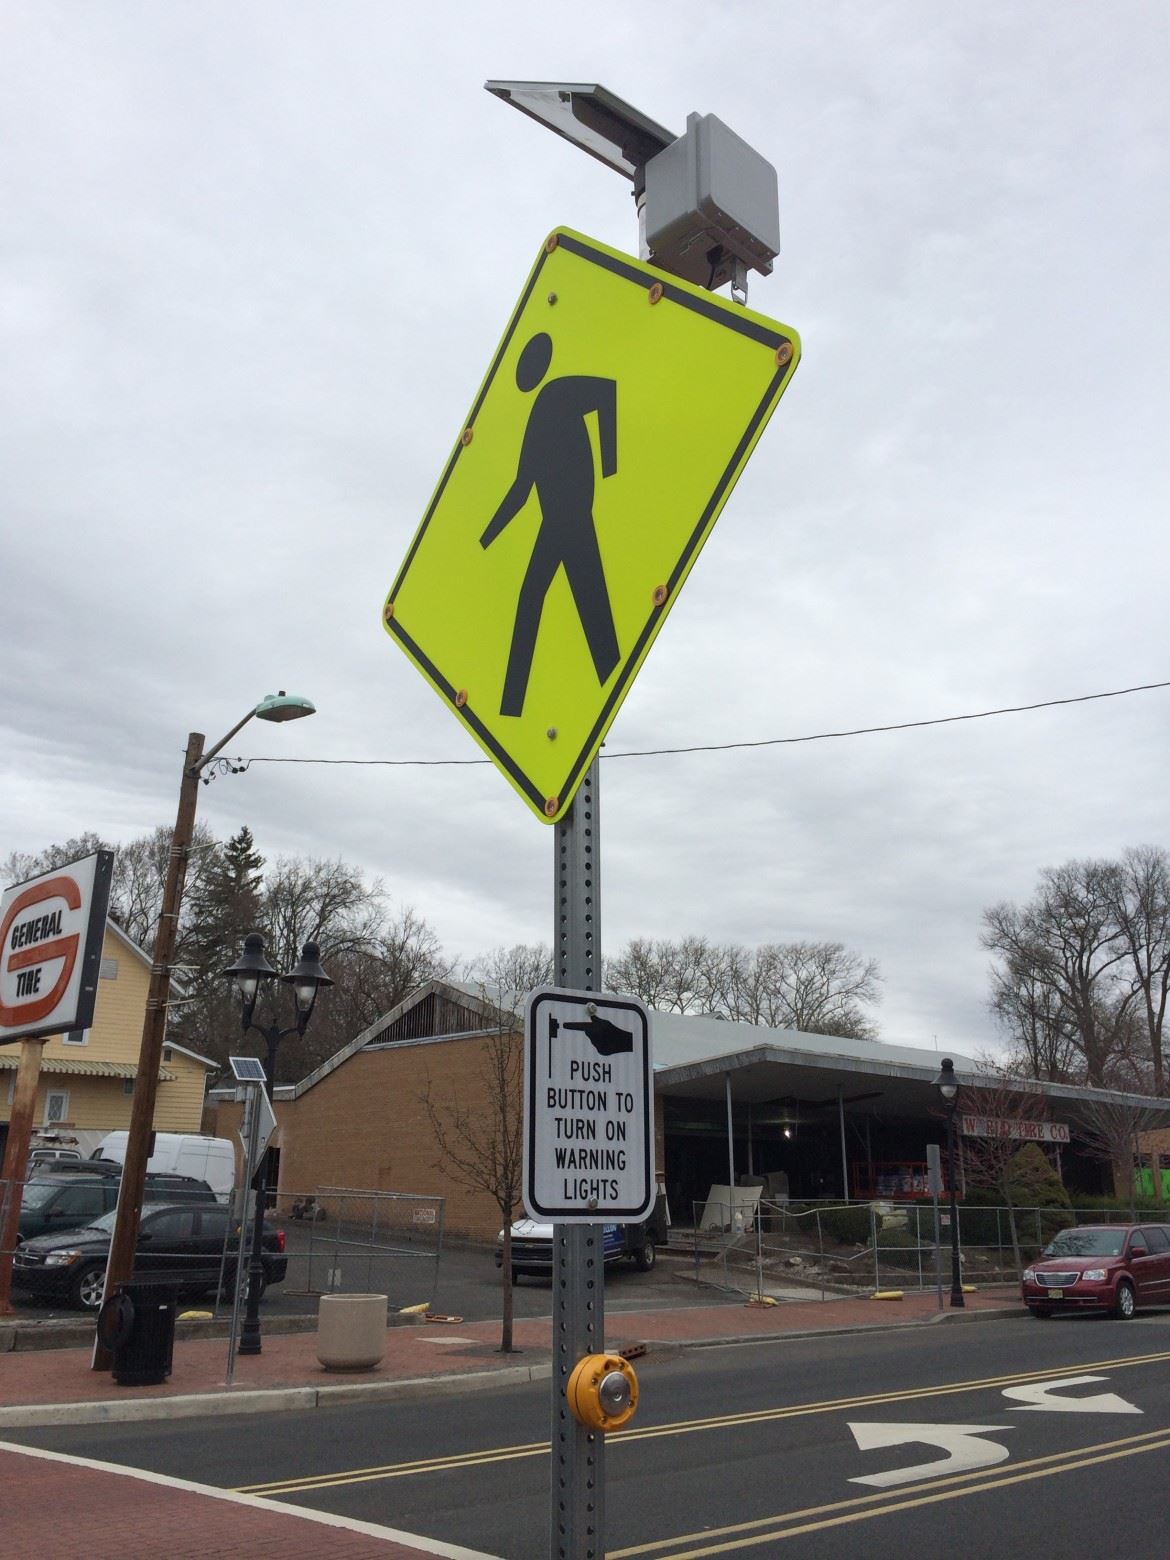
(180,1245)
(65,1200)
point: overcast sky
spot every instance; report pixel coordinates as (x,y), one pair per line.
(254,259)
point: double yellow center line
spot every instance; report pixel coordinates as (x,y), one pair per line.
(516,1453)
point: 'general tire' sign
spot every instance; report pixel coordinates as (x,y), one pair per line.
(51,931)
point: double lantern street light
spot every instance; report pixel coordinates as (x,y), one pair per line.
(948,1087)
(250,972)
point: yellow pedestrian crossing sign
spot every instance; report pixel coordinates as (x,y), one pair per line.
(615,418)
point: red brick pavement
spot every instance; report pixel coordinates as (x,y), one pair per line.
(74,1510)
(464,1348)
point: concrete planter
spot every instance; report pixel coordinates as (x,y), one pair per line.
(351,1331)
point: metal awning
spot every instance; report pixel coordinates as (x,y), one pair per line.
(869,1086)
(83,1067)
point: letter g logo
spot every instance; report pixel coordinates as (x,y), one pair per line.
(63,948)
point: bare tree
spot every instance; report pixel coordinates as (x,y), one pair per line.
(480,1141)
(1067,939)
(1041,1033)
(1113,1131)
(511,972)
(816,987)
(1140,903)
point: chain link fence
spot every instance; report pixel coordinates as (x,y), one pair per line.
(335,1239)
(347,1240)
(806,1250)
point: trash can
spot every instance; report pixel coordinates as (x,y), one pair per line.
(137,1325)
(351,1331)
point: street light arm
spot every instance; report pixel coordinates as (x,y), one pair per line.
(223,742)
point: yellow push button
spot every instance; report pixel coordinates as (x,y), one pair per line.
(603,1391)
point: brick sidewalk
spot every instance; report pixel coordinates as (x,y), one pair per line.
(425,1351)
(75,1509)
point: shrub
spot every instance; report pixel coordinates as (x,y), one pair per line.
(851,1226)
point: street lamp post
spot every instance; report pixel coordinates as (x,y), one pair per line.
(948,1087)
(124,1240)
(251,971)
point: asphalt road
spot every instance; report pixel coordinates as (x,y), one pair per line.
(999,1438)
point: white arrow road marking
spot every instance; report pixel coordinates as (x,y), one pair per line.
(962,1444)
(1037,1398)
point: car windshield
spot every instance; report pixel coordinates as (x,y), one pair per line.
(1086,1243)
(37,1193)
(106,1222)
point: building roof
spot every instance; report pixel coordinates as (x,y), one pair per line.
(84,1067)
(695,1055)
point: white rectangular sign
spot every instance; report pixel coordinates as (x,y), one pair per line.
(588,1107)
(51,931)
(1018,1131)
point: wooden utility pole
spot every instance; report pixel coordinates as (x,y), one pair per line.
(20,1125)
(154,1025)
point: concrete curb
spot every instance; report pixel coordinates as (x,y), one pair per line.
(261,1401)
(838,1332)
(279,1399)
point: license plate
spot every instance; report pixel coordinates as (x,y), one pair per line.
(1056,1294)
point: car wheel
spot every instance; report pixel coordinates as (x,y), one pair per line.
(1124,1304)
(89,1287)
(644,1260)
(1042,1311)
(261,1287)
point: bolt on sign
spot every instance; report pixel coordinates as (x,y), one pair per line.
(588,1107)
(51,931)
(614,421)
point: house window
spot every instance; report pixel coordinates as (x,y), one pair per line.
(167,1053)
(108,969)
(56,1106)
(127,1087)
(77,1037)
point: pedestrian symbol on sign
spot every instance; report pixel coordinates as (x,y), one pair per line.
(556,459)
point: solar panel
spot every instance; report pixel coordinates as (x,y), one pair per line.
(248,1069)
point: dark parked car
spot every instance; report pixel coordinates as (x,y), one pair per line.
(532,1247)
(61,1200)
(178,1244)
(1101,1267)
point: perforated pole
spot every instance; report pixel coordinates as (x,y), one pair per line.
(578,1313)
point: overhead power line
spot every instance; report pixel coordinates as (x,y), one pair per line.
(726,747)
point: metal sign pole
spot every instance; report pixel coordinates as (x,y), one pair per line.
(578,1314)
(240,1278)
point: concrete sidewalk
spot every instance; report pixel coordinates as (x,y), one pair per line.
(100,1509)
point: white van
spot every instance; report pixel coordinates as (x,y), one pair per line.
(209,1159)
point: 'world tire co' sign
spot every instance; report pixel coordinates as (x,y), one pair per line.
(1021,1131)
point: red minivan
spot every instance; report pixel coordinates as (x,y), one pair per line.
(1101,1267)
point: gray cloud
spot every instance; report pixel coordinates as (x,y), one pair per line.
(255,261)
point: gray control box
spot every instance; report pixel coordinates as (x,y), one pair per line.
(711,200)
